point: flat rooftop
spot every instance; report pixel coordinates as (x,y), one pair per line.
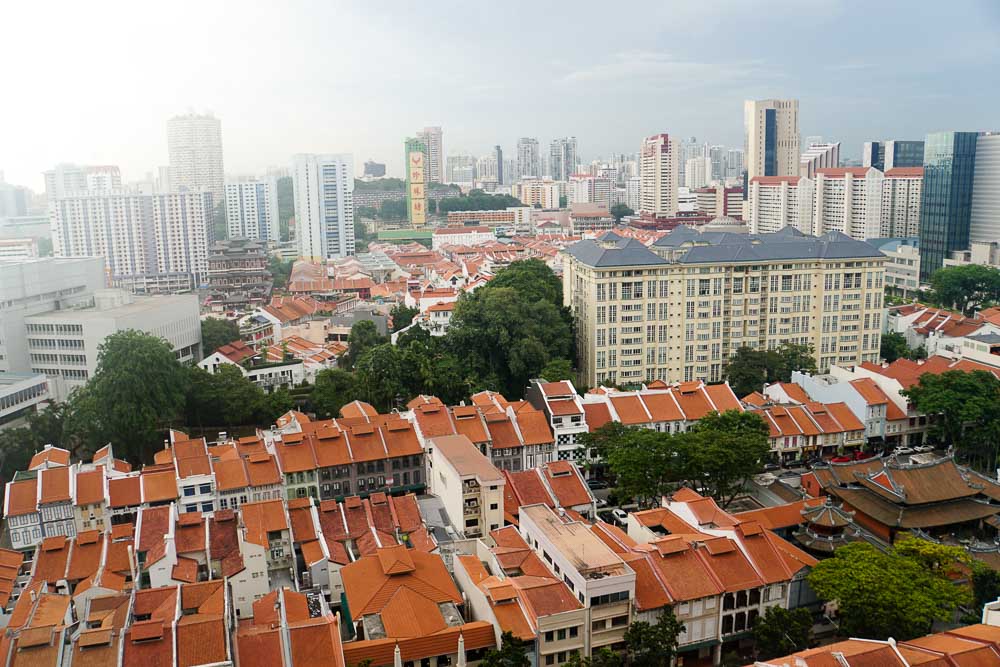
(575,541)
(7,379)
(141,305)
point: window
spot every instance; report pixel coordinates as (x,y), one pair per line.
(188,491)
(561,634)
(619,621)
(574,631)
(205,489)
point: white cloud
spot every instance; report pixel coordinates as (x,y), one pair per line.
(652,67)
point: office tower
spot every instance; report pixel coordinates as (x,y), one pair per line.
(780,201)
(415,161)
(692,329)
(194,146)
(151,243)
(848,200)
(819,156)
(633,193)
(946,197)
(660,156)
(69,179)
(162,183)
(252,210)
(323,188)
(771,138)
(985,215)
(487,170)
(529,161)
(431,138)
(562,158)
(510,171)
(886,155)
(901,202)
(718,156)
(587,189)
(460,169)
(374,169)
(498,157)
(698,172)
(734,164)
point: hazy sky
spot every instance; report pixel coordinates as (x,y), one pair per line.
(94,83)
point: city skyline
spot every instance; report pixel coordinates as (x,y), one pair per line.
(287,103)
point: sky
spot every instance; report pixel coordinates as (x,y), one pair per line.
(94,83)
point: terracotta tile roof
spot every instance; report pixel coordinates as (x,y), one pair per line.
(661,406)
(86,555)
(159,486)
(185,570)
(222,534)
(533,426)
(775,180)
(566,483)
(904,172)
(236,351)
(502,431)
(316,642)
(262,470)
(544,596)
(262,518)
(597,415)
(841,172)
(201,639)
(49,456)
(154,522)
(231,474)
(53,555)
(22,497)
(434,420)
(370,588)
(54,485)
(148,643)
(90,487)
(295,453)
(469,423)
(563,407)
(358,409)
(728,564)
(779,516)
(869,391)
(908,372)
(630,409)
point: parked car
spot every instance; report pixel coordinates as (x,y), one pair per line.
(770,467)
(595,484)
(903,451)
(923,449)
(620,515)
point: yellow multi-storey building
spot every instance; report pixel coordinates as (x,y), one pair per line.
(679,309)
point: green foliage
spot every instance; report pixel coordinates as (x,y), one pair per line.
(361,237)
(393,209)
(780,632)
(653,645)
(333,389)
(432,368)
(967,406)
(723,451)
(985,588)
(602,657)
(286,205)
(533,279)
(644,464)
(363,337)
(898,593)
(477,200)
(136,393)
(562,201)
(432,206)
(402,316)
(512,653)
(369,212)
(966,288)
(280,271)
(387,184)
(894,347)
(216,332)
(228,398)
(379,375)
(619,211)
(54,425)
(275,404)
(750,368)
(558,369)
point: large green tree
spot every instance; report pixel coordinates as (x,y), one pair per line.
(966,406)
(653,645)
(136,393)
(894,347)
(402,316)
(280,271)
(363,337)
(966,288)
(721,451)
(333,389)
(749,368)
(216,332)
(511,653)
(781,632)
(532,279)
(477,200)
(379,375)
(644,463)
(619,211)
(895,593)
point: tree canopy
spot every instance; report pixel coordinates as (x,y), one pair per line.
(332,389)
(966,288)
(652,645)
(894,347)
(511,653)
(898,593)
(363,337)
(967,406)
(217,332)
(780,632)
(619,211)
(402,316)
(750,368)
(477,200)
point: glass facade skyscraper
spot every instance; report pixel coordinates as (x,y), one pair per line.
(946,197)
(885,155)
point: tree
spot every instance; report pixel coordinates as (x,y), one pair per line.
(286,205)
(432,206)
(721,451)
(644,463)
(557,369)
(750,368)
(533,279)
(562,201)
(333,389)
(966,288)
(477,200)
(363,337)
(653,645)
(782,632)
(275,404)
(511,653)
(402,316)
(136,392)
(967,410)
(379,376)
(985,588)
(898,593)
(225,398)
(393,209)
(619,211)
(894,347)
(280,271)
(217,332)
(602,657)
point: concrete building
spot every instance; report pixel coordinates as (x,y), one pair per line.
(460,169)
(984,222)
(14,200)
(660,156)
(984,253)
(902,271)
(151,243)
(194,146)
(238,278)
(660,322)
(529,162)
(468,484)
(65,180)
(771,138)
(734,165)
(819,156)
(590,219)
(252,210)
(886,155)
(848,200)
(562,158)
(538,193)
(324,205)
(64,343)
(468,236)
(431,138)
(901,192)
(589,189)
(697,172)
(18,248)
(720,201)
(776,202)
(21,395)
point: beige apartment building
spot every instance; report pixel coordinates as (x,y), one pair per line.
(677,310)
